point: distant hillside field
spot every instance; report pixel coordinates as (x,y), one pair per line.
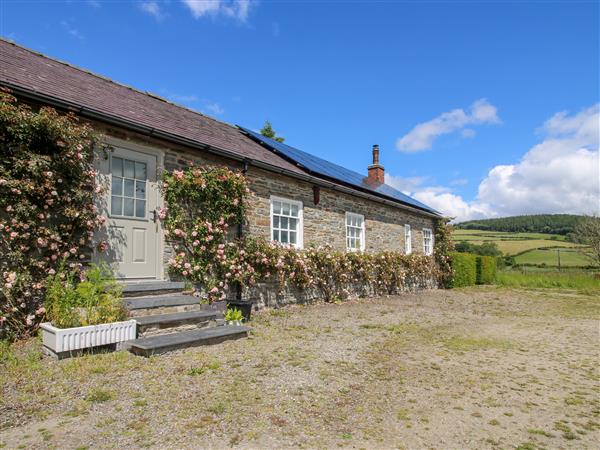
(568,258)
(561,224)
(530,248)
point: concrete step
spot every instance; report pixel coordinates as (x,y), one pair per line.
(169,342)
(140,288)
(190,319)
(161,304)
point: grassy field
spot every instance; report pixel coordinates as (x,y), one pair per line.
(484,368)
(568,257)
(582,281)
(481,235)
(529,248)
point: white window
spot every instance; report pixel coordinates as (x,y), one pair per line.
(427,241)
(286,221)
(128,188)
(355,232)
(407,239)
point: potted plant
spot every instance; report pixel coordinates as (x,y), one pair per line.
(84,314)
(234,316)
(243,306)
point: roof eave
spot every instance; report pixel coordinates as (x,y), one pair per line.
(153,132)
(355,189)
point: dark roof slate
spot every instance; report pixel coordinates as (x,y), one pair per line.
(27,69)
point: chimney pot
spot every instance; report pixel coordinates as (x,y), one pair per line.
(376,170)
(375,154)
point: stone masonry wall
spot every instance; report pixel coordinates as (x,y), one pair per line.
(326,222)
(323,223)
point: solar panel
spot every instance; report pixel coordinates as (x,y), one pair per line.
(320,166)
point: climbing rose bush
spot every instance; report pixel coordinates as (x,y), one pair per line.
(47,211)
(203,204)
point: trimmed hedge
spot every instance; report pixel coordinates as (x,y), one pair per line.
(472,269)
(464,266)
(486,269)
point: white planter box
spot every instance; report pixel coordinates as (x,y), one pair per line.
(62,341)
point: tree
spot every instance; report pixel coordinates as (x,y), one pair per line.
(587,232)
(268,131)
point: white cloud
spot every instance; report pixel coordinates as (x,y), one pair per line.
(69,28)
(214,108)
(237,9)
(440,198)
(422,136)
(152,8)
(561,174)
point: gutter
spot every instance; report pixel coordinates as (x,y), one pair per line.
(153,132)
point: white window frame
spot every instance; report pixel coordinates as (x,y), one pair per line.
(407,239)
(362,231)
(430,231)
(300,230)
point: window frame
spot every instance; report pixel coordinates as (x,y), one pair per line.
(407,239)
(299,231)
(430,231)
(122,196)
(362,231)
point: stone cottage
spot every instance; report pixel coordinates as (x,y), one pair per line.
(299,199)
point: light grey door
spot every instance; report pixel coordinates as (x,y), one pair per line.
(132,231)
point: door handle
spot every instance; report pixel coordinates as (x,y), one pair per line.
(154,216)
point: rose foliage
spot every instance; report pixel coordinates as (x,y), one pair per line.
(47,211)
(204,203)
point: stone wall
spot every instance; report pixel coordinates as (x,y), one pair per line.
(271,295)
(324,223)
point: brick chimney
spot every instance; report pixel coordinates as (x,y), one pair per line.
(376,170)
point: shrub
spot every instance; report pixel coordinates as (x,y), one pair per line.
(484,249)
(443,246)
(486,269)
(73,303)
(464,266)
(203,203)
(47,211)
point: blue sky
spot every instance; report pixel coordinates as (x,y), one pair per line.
(480,108)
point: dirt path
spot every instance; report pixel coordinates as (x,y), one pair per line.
(477,368)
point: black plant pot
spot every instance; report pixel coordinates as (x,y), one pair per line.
(244,307)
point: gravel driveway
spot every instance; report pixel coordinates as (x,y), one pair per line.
(473,368)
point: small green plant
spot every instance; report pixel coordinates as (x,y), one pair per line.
(99,396)
(233,315)
(97,299)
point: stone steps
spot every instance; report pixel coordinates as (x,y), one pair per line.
(156,345)
(154,324)
(168,321)
(161,304)
(155,287)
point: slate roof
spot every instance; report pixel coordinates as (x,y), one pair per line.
(323,168)
(30,71)
(24,68)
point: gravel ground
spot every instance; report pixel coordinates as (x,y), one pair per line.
(473,368)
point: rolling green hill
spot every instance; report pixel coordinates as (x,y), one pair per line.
(529,249)
(560,224)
